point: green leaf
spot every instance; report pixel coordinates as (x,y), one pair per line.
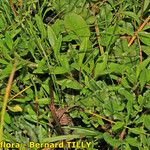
(40,26)
(68,83)
(64,60)
(100,121)
(82,50)
(57,47)
(113,68)
(41,66)
(29,110)
(93,85)
(32,118)
(77,26)
(146,49)
(137,130)
(2,61)
(58,27)
(145,37)
(132,141)
(143,78)
(7,118)
(107,37)
(146,4)
(130,98)
(127,146)
(133,15)
(6,71)
(148,75)
(126,94)
(21,100)
(147,121)
(41,133)
(146,99)
(9,40)
(83,131)
(61,138)
(117,125)
(100,67)
(125,83)
(142,66)
(60,70)
(30,129)
(111,141)
(43,101)
(2,24)
(51,36)
(15,108)
(106,14)
(5,51)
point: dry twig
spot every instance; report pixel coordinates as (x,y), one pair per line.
(13,7)
(94,9)
(121,137)
(140,53)
(139,29)
(6,97)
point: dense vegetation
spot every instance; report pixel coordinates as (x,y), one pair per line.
(91,57)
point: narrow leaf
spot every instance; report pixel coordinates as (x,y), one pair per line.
(82,50)
(51,36)
(40,26)
(61,137)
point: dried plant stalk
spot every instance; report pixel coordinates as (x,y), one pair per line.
(6,97)
(139,29)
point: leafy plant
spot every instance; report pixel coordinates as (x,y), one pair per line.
(90,57)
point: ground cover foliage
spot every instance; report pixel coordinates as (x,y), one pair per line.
(81,50)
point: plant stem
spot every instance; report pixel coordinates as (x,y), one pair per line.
(7,93)
(139,29)
(13,7)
